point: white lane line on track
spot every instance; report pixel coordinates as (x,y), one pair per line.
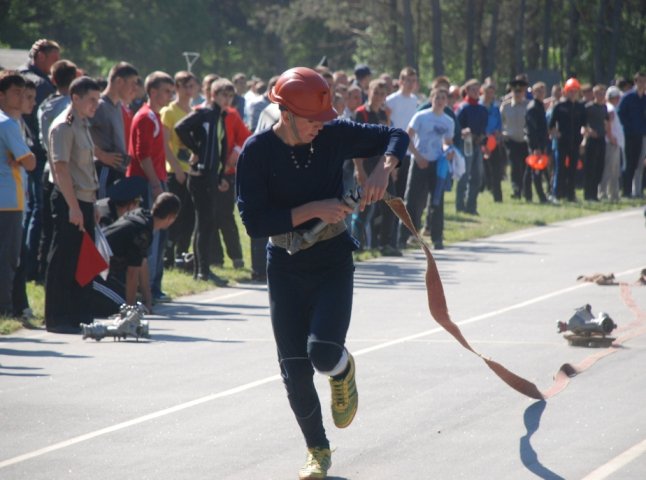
(136,421)
(248,386)
(620,461)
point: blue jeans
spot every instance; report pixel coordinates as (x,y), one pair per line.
(33,220)
(156,252)
(466,193)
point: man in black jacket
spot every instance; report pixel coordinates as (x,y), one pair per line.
(537,137)
(567,120)
(203,133)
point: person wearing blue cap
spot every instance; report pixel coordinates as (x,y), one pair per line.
(362,77)
(122,196)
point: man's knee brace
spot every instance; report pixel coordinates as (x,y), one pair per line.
(328,358)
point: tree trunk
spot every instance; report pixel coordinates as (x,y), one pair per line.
(520,39)
(280,61)
(614,39)
(573,40)
(597,45)
(438,59)
(394,36)
(547,24)
(409,48)
(468,68)
(490,61)
(532,51)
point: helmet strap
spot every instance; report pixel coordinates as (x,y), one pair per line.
(292,124)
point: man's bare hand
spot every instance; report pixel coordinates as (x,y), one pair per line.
(332,210)
(422,163)
(223,186)
(112,160)
(76,218)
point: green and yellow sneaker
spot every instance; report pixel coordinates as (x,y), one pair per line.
(319,461)
(345,399)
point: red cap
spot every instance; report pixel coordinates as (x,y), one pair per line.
(305,93)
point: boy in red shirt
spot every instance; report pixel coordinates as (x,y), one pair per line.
(147,150)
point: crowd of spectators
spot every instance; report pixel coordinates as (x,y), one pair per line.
(72,145)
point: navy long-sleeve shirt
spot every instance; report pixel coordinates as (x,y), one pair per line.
(632,113)
(473,116)
(569,116)
(269,185)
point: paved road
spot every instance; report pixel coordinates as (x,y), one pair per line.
(202,399)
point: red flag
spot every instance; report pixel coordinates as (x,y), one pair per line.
(90,262)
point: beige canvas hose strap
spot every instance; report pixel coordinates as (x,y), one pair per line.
(439,311)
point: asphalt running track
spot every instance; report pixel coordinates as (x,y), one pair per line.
(202,399)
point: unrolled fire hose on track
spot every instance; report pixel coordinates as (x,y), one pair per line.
(439,311)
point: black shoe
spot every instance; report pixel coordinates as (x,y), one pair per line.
(212,277)
(438,246)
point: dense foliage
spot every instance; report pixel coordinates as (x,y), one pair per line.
(596,39)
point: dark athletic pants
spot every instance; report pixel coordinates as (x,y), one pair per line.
(633,152)
(311,302)
(565,175)
(595,155)
(67,304)
(204,194)
(225,222)
(180,232)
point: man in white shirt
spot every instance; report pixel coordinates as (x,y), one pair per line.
(402,106)
(429,130)
(615,143)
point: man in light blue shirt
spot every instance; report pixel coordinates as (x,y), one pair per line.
(15,158)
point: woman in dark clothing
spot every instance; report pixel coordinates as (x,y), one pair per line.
(289,179)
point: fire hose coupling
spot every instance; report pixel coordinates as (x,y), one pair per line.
(583,322)
(127,323)
(322,230)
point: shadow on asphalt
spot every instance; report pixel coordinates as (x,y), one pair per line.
(37,353)
(529,457)
(184,339)
(4,368)
(28,340)
(387,275)
(506,248)
(196,312)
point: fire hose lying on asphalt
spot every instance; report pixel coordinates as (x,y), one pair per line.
(439,311)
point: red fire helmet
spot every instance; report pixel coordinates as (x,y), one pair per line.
(571,84)
(305,93)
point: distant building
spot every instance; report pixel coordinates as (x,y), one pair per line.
(11,59)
